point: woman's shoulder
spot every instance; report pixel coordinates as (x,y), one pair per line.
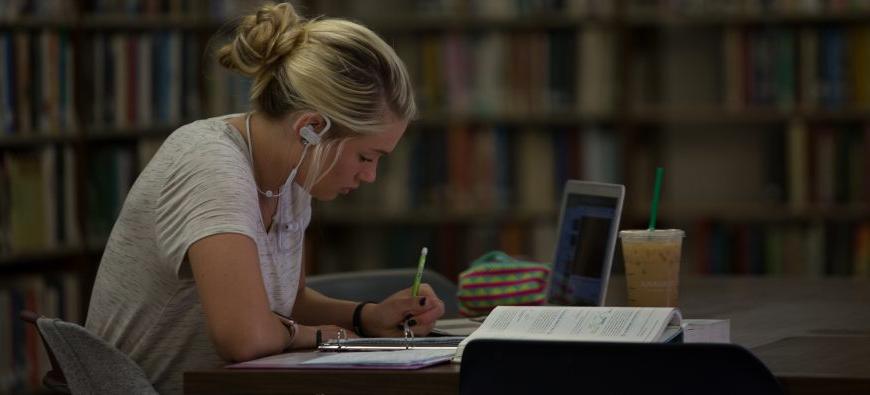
(207,135)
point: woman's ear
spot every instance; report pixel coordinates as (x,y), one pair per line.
(307,127)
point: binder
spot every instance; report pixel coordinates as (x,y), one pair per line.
(391,343)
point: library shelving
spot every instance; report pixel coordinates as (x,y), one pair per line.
(88,90)
(758,110)
(753,108)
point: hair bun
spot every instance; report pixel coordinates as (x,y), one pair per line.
(264,38)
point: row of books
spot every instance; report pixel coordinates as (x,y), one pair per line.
(826,165)
(783,67)
(40,198)
(39,201)
(513,73)
(135,80)
(818,165)
(810,250)
(37,83)
(24,361)
(565,70)
(486,168)
(142,79)
(154,79)
(10,9)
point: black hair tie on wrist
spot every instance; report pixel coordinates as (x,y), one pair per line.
(357,319)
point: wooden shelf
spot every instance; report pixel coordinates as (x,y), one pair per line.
(670,213)
(439,120)
(563,118)
(656,19)
(133,133)
(720,115)
(757,213)
(131,22)
(30,140)
(423,23)
(654,115)
(58,254)
(427,217)
(543,21)
(114,22)
(92,134)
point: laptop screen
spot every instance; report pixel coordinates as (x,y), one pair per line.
(584,250)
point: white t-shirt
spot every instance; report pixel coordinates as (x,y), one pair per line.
(199,183)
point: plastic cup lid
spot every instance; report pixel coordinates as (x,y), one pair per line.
(656,233)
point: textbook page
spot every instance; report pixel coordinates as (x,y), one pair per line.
(575,323)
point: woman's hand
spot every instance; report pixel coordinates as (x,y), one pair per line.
(385,319)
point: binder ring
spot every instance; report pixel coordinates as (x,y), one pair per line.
(409,335)
(340,336)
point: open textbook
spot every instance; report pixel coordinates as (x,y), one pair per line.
(575,323)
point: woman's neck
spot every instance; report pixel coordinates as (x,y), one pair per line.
(275,153)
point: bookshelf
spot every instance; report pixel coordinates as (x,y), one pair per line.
(88,91)
(762,135)
(682,88)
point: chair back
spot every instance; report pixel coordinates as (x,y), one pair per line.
(54,379)
(89,364)
(376,285)
(525,366)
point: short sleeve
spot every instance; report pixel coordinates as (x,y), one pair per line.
(208,190)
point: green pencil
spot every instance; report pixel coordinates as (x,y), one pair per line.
(415,289)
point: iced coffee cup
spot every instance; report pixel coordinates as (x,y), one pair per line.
(652,266)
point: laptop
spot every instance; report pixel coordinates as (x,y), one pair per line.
(586,239)
(583,255)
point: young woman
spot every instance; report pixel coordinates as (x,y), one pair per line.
(204,264)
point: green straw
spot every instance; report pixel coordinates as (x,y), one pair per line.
(660,172)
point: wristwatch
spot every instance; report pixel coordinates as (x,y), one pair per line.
(290,325)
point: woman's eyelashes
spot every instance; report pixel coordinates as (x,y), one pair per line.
(362,158)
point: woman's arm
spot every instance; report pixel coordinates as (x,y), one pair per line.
(315,308)
(227,273)
(380,319)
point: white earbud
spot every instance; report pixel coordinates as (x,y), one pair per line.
(310,137)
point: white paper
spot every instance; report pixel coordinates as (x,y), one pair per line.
(456,326)
(707,331)
(400,359)
(382,358)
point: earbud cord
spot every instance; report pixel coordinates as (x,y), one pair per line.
(268,193)
(271,247)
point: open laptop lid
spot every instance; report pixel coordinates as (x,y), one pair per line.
(586,238)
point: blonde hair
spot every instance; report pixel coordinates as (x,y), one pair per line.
(335,67)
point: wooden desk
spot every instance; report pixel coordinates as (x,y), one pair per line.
(814,334)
